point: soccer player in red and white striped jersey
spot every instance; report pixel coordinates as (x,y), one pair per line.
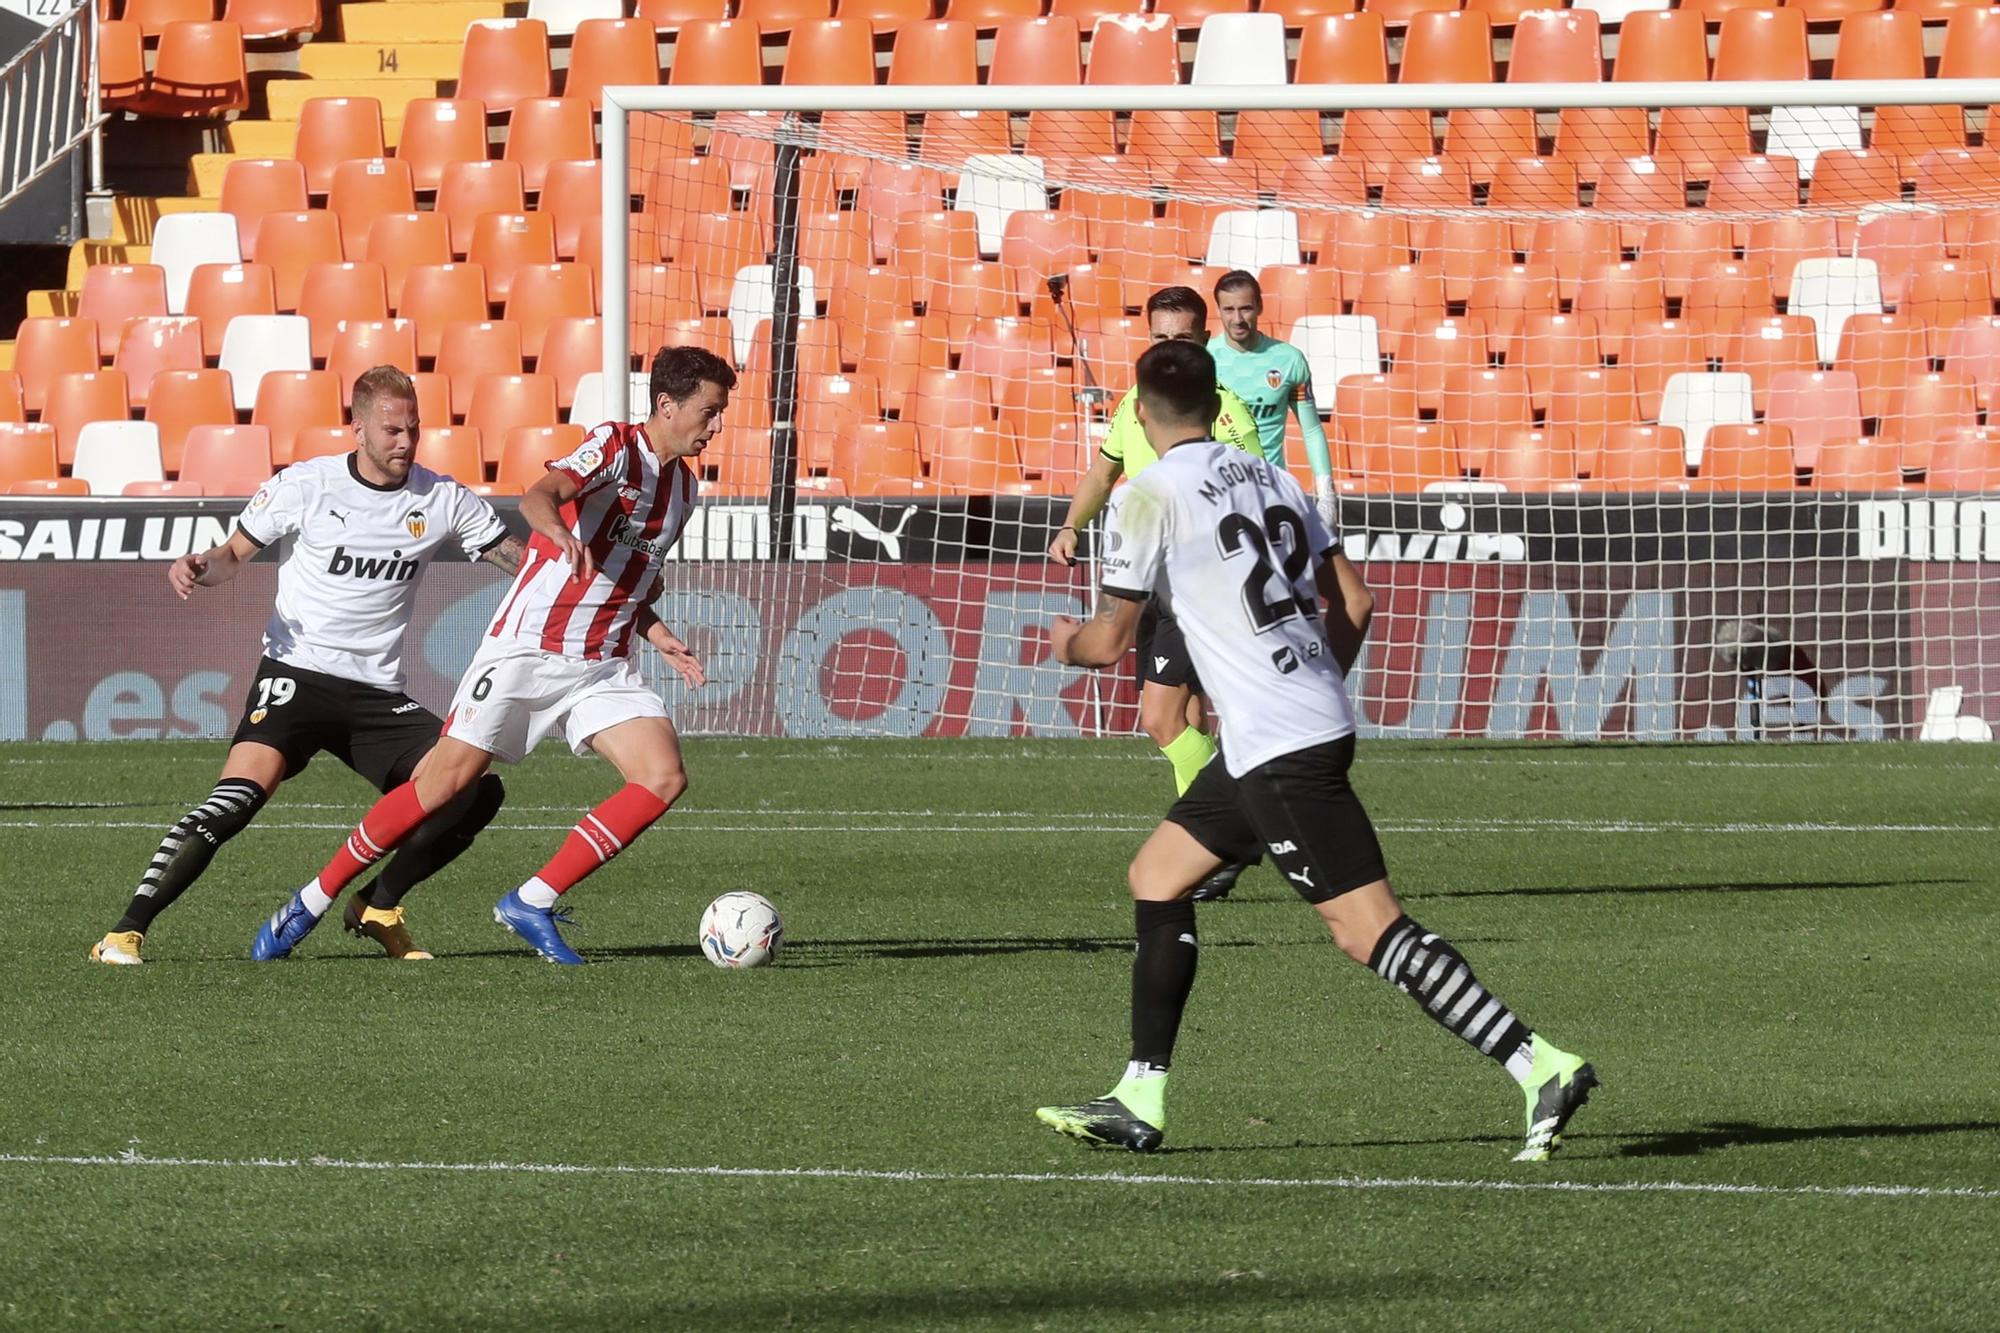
(557,655)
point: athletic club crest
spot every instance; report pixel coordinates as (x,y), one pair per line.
(416,523)
(1274,378)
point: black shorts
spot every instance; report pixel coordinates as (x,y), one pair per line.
(380,734)
(1299,808)
(1163,654)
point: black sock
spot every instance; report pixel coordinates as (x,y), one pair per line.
(189,846)
(437,842)
(1162,976)
(1429,970)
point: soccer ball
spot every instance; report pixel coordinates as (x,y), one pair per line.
(741,930)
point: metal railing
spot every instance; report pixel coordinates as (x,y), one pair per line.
(48,103)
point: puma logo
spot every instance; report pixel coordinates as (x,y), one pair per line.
(846,518)
(335,513)
(1304,877)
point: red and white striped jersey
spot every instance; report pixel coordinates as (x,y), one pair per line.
(629,511)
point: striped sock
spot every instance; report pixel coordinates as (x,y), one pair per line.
(387,823)
(1429,970)
(188,848)
(597,837)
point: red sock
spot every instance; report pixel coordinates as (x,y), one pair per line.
(388,822)
(601,835)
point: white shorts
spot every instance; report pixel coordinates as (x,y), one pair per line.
(513,695)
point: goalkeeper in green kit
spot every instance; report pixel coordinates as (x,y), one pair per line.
(1170,702)
(1273,378)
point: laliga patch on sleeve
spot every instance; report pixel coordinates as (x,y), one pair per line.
(585,460)
(262,497)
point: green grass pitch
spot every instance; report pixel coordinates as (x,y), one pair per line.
(1781,959)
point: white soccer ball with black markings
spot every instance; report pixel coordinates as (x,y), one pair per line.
(741,929)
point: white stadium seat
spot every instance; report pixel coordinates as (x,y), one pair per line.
(1252,238)
(255,345)
(995,186)
(1696,401)
(181,241)
(1337,346)
(109,454)
(1831,290)
(1240,49)
(751,297)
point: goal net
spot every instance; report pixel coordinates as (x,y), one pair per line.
(1653,411)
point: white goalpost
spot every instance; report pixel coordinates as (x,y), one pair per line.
(1655,411)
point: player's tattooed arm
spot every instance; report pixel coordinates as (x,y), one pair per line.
(1104,639)
(506,555)
(1350,607)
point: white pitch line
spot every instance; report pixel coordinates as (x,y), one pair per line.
(134,1159)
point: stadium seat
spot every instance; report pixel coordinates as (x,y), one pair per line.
(1636,186)
(830,51)
(121,66)
(752,300)
(545,130)
(1547,342)
(1805,133)
(1695,403)
(181,400)
(1617,295)
(1428,184)
(737,462)
(12,409)
(1908,134)
(1556,46)
(112,454)
(1464,247)
(565,17)
(993,186)
(611,51)
(1753,183)
(877,455)
(273,20)
(1591,139)
(467,191)
(949,138)
(503,243)
(899,350)
(1899,242)
(363,190)
(1971,48)
(1832,291)
(1399,297)
(982,459)
(438,130)
(1437,346)
(322,442)
(1483,141)
(935,52)
(219,293)
(181,241)
(1783,242)
(399,242)
(331,293)
(362,344)
(502,402)
(1816,406)
(1681,245)
(1447,46)
(506,62)
(1882,351)
(1851,178)
(573,197)
(1589,403)
(543,293)
(433,401)
(1343,49)
(157,343)
(27,453)
(1748,458)
(1037,245)
(1036,51)
(468,351)
(1239,48)
(989,14)
(1133,48)
(1697,139)
(1929,408)
(784,15)
(1662,46)
(1531,458)
(868,298)
(452,451)
(527,450)
(1884,44)
(75,398)
(572,347)
(289,401)
(1532,185)
(1856,463)
(1641,458)
(291,243)
(887,17)
(1762,44)
(46,346)
(1504,295)
(656,296)
(1725,293)
(1478,403)
(1409,456)
(1763,346)
(198,71)
(1943,293)
(253,187)
(333,130)
(1966,462)
(1971,349)
(722,51)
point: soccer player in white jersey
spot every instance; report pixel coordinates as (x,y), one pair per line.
(556,656)
(1233,544)
(363,526)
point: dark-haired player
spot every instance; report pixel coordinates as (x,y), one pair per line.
(364,526)
(1245,559)
(557,657)
(1169,695)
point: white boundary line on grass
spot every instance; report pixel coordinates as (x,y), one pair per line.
(132,1159)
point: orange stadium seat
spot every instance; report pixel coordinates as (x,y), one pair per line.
(1400,297)
(1900,243)
(1593,139)
(672,15)
(1971,349)
(899,350)
(1532,185)
(722,51)
(1942,293)
(783,15)
(1657,349)
(502,402)
(1367,407)
(608,52)
(153,16)
(526,450)
(542,293)
(830,51)
(573,197)
(333,130)
(1966,462)
(1447,46)
(273,20)
(870,297)
(1547,342)
(11,406)
(181,400)
(322,442)
(1401,11)
(121,65)
(289,401)
(218,293)
(1971,48)
(1883,351)
(226,459)
(1698,138)
(1343,48)
(1753,183)
(332,293)
(27,453)
(1556,46)
(363,190)
(76,398)
(1929,408)
(399,242)
(1884,44)
(1684,244)
(1087,12)
(572,347)
(887,17)
(438,130)
(1438,345)
(453,451)
(1725,293)
(1479,403)
(1618,294)
(254,187)
(1070,134)
(433,400)
(1641,458)
(1816,406)
(506,61)
(470,350)
(114,293)
(1855,463)
(291,243)
(991,13)
(941,51)
(1484,140)
(1409,456)
(949,137)
(982,459)
(1530,458)
(971,291)
(831,406)
(1591,402)
(1783,242)
(46,346)
(545,130)
(877,455)
(1762,44)
(1764,346)
(1133,48)
(1748,458)
(362,344)
(1504,296)
(503,243)
(198,71)
(1638,186)
(1852,178)
(157,343)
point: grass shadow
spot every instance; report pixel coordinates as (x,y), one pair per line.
(1746,1134)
